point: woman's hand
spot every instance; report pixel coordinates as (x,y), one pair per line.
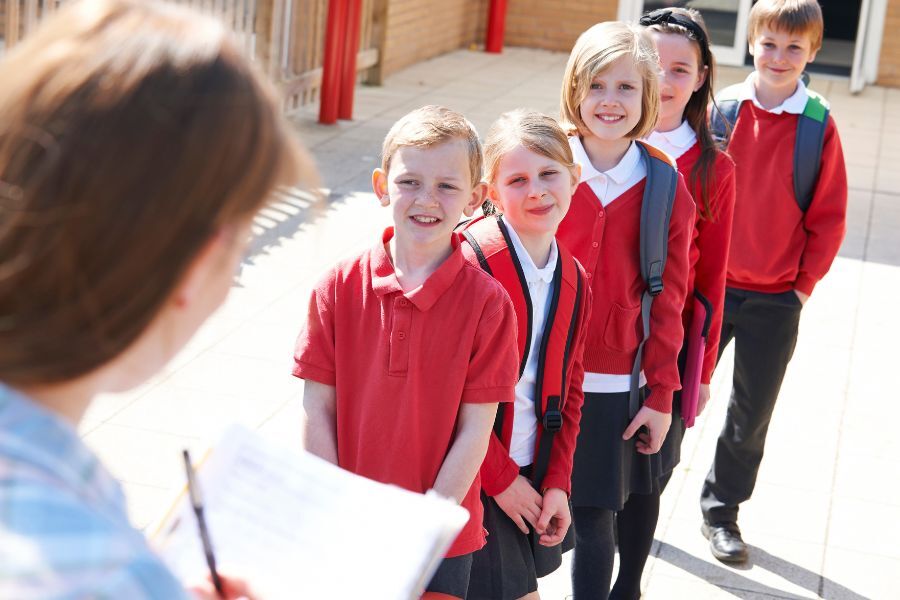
(657,424)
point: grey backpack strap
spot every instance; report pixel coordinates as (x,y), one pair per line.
(656,213)
(808,148)
(723,114)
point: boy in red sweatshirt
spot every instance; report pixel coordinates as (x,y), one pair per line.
(779,250)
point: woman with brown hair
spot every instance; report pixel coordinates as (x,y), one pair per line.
(136,144)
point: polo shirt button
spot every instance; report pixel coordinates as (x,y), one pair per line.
(401,336)
(595,244)
(403,303)
(588,275)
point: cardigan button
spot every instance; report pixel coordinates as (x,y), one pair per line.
(401,336)
(595,245)
(588,275)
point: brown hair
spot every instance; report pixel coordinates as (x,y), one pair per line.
(595,51)
(798,17)
(528,128)
(130,133)
(429,126)
(696,110)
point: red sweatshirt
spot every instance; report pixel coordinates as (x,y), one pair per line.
(606,241)
(709,252)
(775,247)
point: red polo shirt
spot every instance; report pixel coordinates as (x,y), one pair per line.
(403,363)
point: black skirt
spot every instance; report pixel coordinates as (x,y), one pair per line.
(509,565)
(608,469)
(670,453)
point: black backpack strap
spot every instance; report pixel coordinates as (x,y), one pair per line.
(808,145)
(656,213)
(723,114)
(551,420)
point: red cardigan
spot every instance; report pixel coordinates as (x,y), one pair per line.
(775,247)
(606,242)
(709,252)
(499,470)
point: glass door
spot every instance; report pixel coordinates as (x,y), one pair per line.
(726,21)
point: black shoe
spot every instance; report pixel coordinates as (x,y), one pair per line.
(725,542)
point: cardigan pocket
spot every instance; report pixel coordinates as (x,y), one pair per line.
(622,328)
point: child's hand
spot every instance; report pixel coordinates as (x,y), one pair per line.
(803,297)
(703,398)
(657,424)
(521,502)
(235,588)
(555,517)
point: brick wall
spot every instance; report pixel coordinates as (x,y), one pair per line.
(889,63)
(554,24)
(421,29)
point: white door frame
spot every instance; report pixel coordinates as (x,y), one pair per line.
(867,50)
(631,10)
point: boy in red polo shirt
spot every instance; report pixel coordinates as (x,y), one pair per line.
(408,348)
(781,246)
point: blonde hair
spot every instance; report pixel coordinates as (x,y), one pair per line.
(793,16)
(429,126)
(594,52)
(130,132)
(532,130)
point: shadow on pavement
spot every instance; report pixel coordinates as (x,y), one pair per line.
(730,580)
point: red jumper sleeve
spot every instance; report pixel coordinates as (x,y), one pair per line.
(825,219)
(713,241)
(660,360)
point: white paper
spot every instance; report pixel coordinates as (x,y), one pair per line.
(296,526)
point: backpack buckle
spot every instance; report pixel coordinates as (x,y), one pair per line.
(655,280)
(552,421)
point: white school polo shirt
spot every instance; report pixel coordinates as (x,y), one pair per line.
(676,142)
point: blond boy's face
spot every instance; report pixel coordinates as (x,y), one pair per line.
(780,57)
(428,189)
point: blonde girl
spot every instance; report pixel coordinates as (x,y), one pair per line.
(527,471)
(610,99)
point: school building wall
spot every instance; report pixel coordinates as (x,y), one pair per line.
(554,24)
(421,29)
(889,63)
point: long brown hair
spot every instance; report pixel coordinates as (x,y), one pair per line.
(130,133)
(695,113)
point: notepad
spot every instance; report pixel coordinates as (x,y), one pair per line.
(296,526)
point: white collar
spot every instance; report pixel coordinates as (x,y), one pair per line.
(682,136)
(795,104)
(619,173)
(532,273)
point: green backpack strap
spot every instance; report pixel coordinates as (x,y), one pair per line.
(656,213)
(808,148)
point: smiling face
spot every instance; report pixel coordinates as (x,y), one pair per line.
(429,188)
(533,191)
(612,107)
(780,57)
(679,59)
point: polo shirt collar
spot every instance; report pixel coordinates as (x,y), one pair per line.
(384,277)
(794,105)
(681,138)
(619,174)
(532,273)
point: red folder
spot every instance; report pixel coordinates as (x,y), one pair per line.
(695,337)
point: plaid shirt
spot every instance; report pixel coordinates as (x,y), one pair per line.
(64,530)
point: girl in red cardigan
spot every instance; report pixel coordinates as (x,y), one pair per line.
(526,475)
(610,99)
(686,90)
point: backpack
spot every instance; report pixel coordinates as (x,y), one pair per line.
(488,239)
(810,139)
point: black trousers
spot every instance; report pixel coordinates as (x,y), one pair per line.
(764,329)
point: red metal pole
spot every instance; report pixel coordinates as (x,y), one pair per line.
(330,93)
(496,26)
(351,48)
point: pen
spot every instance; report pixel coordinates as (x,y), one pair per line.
(197,503)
